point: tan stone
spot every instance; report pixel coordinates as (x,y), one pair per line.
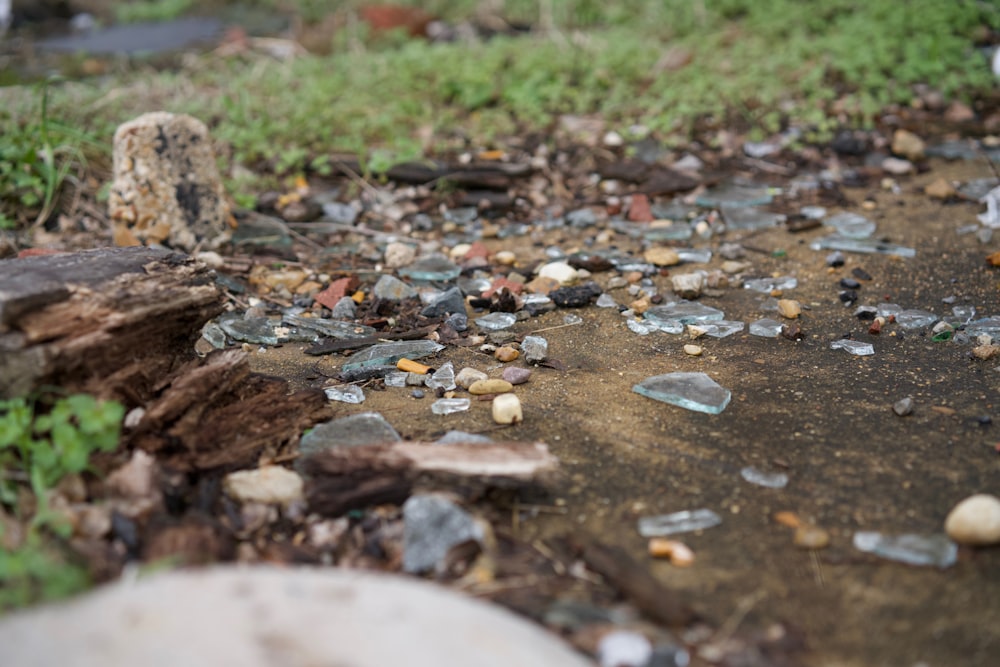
(789,308)
(491,386)
(662,256)
(940,189)
(166,186)
(975,520)
(908,145)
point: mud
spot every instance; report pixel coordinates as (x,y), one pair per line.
(821,415)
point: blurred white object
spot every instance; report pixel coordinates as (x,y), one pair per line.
(996,61)
(5,16)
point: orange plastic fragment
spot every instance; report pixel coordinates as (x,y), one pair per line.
(411,366)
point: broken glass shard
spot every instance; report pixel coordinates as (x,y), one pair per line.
(345,393)
(915,319)
(496,321)
(768,285)
(718,329)
(685,312)
(461,437)
(887,309)
(978,188)
(391,288)
(855,347)
(667,231)
(749,217)
(445,303)
(986,325)
(432,525)
(869,246)
(766,327)
(734,195)
(447,406)
(214,334)
(535,349)
(991,218)
(389,353)
(572,319)
(771,480)
(851,225)
(256,330)
(606,301)
(329,327)
(584,217)
(678,522)
(696,256)
(435,267)
(646,328)
(692,391)
(443,377)
(926,550)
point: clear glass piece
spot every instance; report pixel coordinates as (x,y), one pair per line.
(678,522)
(926,550)
(447,406)
(855,347)
(771,480)
(382,354)
(692,391)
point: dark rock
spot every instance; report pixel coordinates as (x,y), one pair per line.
(575,297)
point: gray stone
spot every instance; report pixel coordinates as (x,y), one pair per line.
(535,349)
(392,288)
(263,616)
(433,525)
(166,186)
(367,428)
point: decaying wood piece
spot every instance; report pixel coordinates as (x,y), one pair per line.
(219,414)
(635,583)
(343,479)
(121,323)
(110,321)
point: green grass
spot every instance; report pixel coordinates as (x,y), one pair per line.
(39,446)
(758,65)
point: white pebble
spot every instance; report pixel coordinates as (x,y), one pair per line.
(693,350)
(270,484)
(507,409)
(559,271)
(975,520)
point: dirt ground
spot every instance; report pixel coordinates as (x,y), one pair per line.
(822,415)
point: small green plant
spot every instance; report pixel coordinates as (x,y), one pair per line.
(35,159)
(40,449)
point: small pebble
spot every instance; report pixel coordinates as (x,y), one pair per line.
(468,375)
(515,375)
(561,272)
(505,258)
(693,350)
(507,409)
(903,406)
(417,393)
(506,354)
(662,256)
(789,308)
(811,537)
(490,386)
(270,484)
(975,521)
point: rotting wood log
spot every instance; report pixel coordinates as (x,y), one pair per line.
(111,322)
(121,323)
(342,479)
(637,585)
(218,414)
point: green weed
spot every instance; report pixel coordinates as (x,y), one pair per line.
(40,449)
(37,154)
